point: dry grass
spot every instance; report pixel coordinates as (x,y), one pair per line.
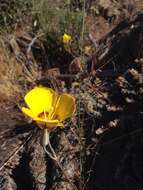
(10,73)
(18,70)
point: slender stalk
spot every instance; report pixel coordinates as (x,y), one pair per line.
(46,142)
(45,138)
(83,27)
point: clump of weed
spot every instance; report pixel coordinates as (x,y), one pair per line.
(10,73)
(13,12)
(59,17)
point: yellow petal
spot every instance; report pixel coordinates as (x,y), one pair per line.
(40,99)
(48,123)
(28,112)
(65,107)
(87,50)
(54,124)
(66,38)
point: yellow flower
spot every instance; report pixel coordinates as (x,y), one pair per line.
(87,50)
(48,108)
(66,38)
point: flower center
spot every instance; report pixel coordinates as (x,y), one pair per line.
(56,116)
(43,115)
